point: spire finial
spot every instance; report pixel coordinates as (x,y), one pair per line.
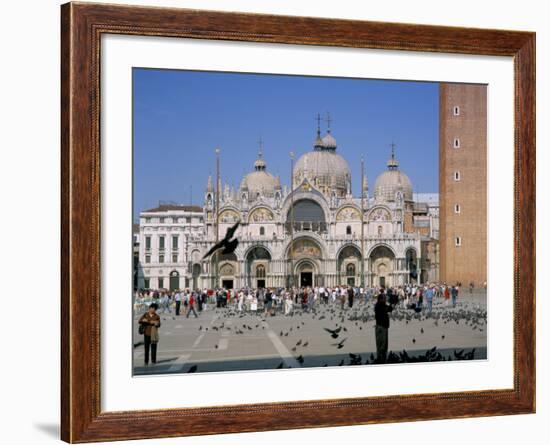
(318,119)
(259,165)
(261,147)
(392,162)
(328,120)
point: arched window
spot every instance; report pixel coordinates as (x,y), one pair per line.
(260,271)
(350,270)
(348,230)
(262,231)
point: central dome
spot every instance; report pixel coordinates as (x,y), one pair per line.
(324,168)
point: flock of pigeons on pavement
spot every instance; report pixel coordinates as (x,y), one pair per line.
(338,325)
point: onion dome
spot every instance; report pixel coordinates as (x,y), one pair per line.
(323,167)
(391,181)
(260,181)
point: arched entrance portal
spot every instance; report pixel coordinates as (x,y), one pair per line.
(196,274)
(412,264)
(257,266)
(227,270)
(349,266)
(381,266)
(306,273)
(174,280)
(305,256)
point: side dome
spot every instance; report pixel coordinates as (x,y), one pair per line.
(392,181)
(260,181)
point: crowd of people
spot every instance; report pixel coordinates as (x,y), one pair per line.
(274,301)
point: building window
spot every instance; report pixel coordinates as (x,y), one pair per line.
(262,231)
(147,220)
(260,271)
(456,143)
(457,176)
(348,230)
(458,241)
(147,242)
(161,220)
(161,258)
(350,270)
(147,258)
(161,242)
(161,282)
(457,208)
(456,110)
(174,242)
(146,283)
(174,258)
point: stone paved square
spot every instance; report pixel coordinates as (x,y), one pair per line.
(224,340)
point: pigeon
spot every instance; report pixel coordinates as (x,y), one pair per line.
(341,344)
(333,332)
(414,340)
(299,342)
(280,366)
(421,330)
(192,368)
(227,243)
(305,344)
(300,359)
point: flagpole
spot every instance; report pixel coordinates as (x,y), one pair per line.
(217,215)
(362,223)
(291,252)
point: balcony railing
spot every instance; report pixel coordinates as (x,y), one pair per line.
(306,226)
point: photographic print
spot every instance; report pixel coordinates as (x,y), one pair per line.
(284,221)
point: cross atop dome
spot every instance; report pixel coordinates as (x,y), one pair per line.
(392,162)
(329,143)
(260,164)
(328,121)
(318,144)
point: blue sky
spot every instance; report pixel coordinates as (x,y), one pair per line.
(181,116)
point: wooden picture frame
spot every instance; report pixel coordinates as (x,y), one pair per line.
(82,26)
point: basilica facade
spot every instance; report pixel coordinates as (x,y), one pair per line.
(314,232)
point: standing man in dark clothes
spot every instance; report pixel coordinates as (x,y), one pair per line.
(381,310)
(351,294)
(150,322)
(200,301)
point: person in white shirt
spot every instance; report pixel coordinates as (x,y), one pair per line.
(288,304)
(177,299)
(240,301)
